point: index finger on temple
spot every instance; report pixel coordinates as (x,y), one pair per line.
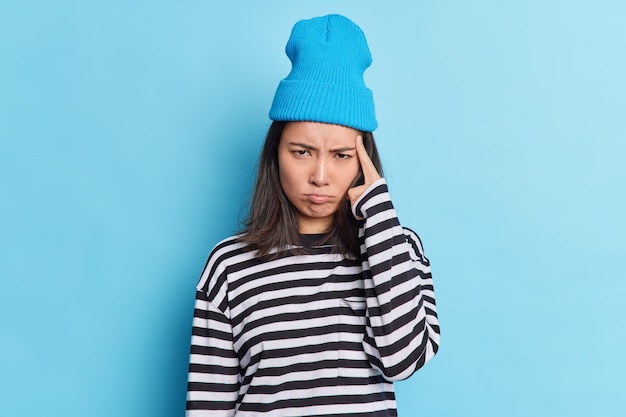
(367,166)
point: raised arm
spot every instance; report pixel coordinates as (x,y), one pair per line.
(402,331)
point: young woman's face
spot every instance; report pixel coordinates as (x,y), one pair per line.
(317,165)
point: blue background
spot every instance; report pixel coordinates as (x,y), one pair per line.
(129,132)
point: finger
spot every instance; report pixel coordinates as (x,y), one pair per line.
(370,173)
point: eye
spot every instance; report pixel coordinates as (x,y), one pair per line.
(343,156)
(300,152)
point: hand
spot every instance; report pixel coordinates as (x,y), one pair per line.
(370,174)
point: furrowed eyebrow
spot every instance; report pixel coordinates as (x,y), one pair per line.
(309,147)
(303,145)
(343,149)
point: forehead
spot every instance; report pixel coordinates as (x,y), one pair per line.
(318,134)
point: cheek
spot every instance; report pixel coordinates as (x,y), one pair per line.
(286,177)
(281,177)
(348,176)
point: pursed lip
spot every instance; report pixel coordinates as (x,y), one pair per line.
(318,198)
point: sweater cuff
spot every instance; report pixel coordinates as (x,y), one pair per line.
(367,200)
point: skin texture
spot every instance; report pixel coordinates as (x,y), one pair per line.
(318,164)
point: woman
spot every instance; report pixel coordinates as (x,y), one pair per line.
(324,299)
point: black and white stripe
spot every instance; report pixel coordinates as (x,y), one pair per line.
(315,334)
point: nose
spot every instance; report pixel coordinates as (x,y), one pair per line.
(319,175)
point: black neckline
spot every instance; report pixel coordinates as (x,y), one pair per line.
(310,240)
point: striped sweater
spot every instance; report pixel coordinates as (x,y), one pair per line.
(316,334)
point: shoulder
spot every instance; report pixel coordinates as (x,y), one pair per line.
(228,251)
(227,245)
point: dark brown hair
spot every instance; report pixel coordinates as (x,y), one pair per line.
(272,221)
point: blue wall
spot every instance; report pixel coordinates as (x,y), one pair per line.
(128,138)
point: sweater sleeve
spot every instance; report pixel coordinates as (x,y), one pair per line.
(214,375)
(402,331)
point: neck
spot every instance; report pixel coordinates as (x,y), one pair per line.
(313,226)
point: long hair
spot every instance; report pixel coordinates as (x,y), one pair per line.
(272,221)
